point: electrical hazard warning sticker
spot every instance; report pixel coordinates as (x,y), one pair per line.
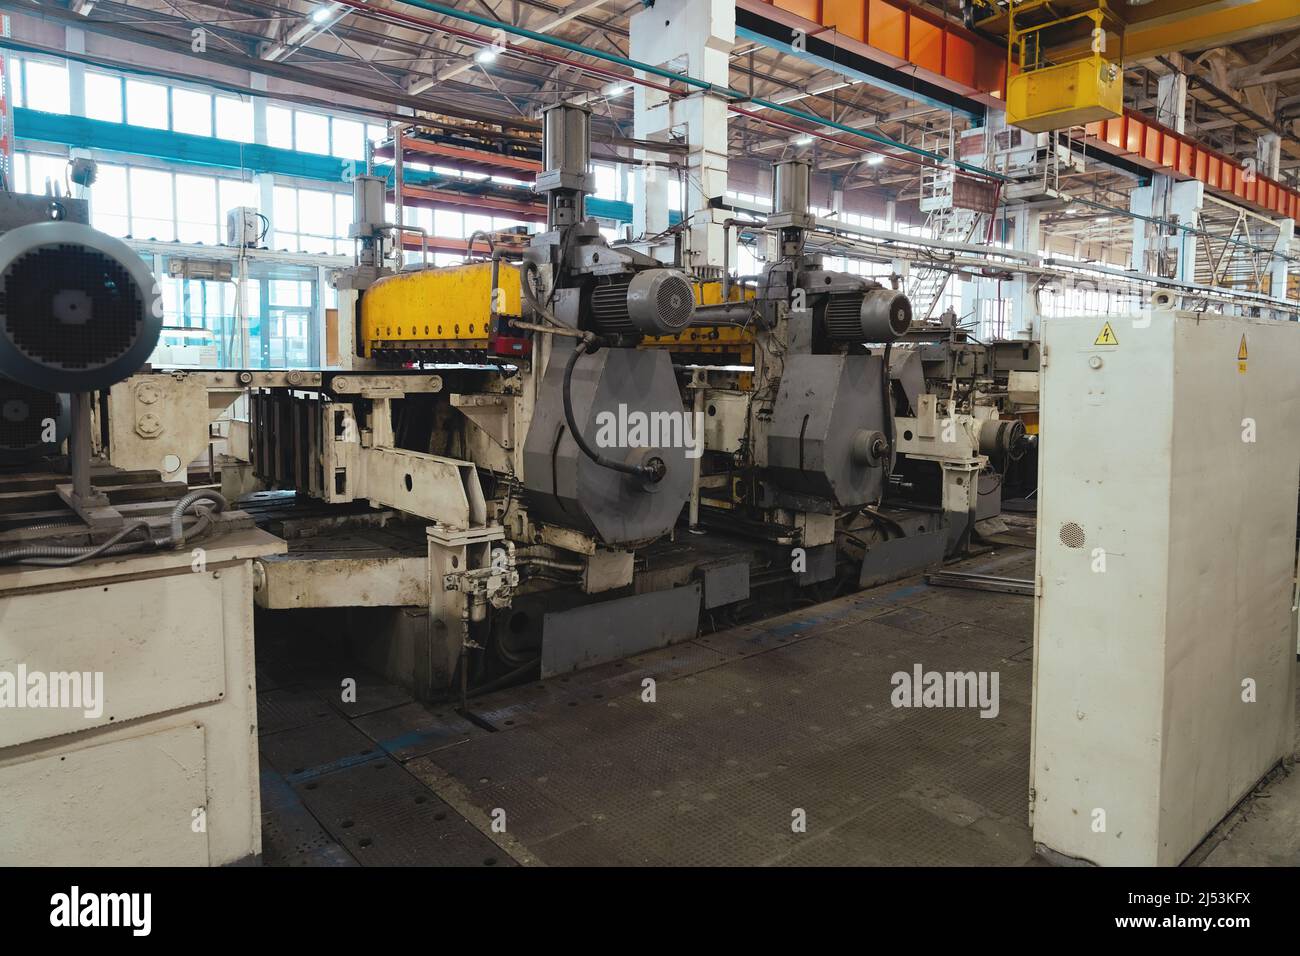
(1242,355)
(1106,336)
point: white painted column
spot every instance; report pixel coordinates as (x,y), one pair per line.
(1026,236)
(1269,153)
(75,42)
(1171,201)
(1171,101)
(694,37)
(1279,271)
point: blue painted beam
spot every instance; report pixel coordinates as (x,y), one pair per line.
(34,127)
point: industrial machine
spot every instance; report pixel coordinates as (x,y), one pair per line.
(1164,661)
(110,580)
(543,461)
(845,407)
(997,382)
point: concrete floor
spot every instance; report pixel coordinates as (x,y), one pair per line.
(749,730)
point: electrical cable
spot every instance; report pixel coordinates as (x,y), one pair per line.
(653,471)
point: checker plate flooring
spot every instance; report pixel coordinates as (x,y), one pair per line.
(770,744)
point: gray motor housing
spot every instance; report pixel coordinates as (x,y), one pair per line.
(79,310)
(567,488)
(828,422)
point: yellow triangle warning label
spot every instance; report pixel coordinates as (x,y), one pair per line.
(1106,336)
(1241,350)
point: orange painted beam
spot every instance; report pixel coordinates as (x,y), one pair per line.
(1144,141)
(903,36)
(460,157)
(468,202)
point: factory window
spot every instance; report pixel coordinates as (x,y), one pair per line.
(348,139)
(110,207)
(342,220)
(312,132)
(609,181)
(153,211)
(311,220)
(196,209)
(39,173)
(234,119)
(290,292)
(146,104)
(104,97)
(449,225)
(46,86)
(279,127)
(315,221)
(233,193)
(192,112)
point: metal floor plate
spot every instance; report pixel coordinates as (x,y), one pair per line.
(752,730)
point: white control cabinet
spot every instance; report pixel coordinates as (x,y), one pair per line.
(1164,639)
(161,769)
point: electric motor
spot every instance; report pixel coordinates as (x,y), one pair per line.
(649,302)
(79,310)
(1002,440)
(875,315)
(33,423)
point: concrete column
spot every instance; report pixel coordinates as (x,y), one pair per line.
(1026,236)
(1279,271)
(1166,250)
(75,42)
(258,82)
(1171,101)
(693,37)
(1269,153)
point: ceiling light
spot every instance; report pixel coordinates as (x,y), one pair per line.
(485,55)
(321,14)
(802,140)
(616,89)
(875,160)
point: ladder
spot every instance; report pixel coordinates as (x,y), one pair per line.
(928,284)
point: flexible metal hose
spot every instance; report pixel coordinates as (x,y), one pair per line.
(179,535)
(64,555)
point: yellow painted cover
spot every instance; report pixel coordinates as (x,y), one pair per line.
(437,307)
